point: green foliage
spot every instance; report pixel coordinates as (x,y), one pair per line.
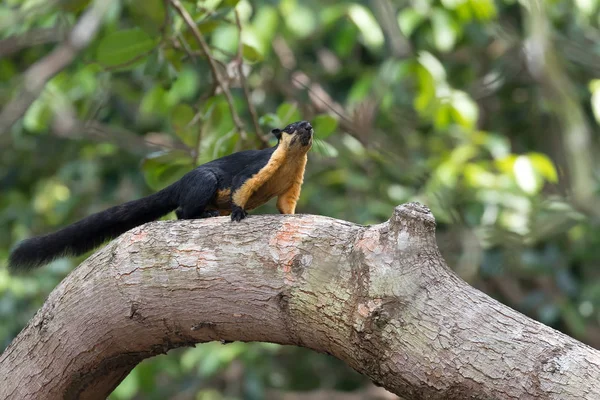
(453,119)
(121,48)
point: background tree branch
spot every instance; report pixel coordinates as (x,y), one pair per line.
(36,76)
(380,298)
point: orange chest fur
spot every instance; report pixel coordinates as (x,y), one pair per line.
(283,178)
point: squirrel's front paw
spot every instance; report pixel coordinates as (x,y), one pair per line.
(238,213)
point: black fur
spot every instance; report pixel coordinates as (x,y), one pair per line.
(193,196)
(92,231)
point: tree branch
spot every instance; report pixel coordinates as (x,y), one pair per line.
(240,67)
(547,68)
(213,66)
(379,298)
(36,76)
(35,37)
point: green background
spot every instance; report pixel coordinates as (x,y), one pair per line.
(486,111)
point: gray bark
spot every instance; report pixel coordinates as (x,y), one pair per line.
(380,298)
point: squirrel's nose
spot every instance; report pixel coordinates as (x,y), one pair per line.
(306,125)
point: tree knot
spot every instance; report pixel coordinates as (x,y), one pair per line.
(414,218)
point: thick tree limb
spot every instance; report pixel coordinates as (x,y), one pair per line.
(380,298)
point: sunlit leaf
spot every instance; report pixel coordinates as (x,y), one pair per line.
(478,176)
(264,26)
(483,9)
(525,175)
(441,116)
(452,4)
(544,166)
(301,21)
(466,110)
(409,19)
(587,7)
(426,92)
(595,89)
(399,193)
(367,24)
(432,65)
(444,30)
(225,37)
(497,145)
(331,13)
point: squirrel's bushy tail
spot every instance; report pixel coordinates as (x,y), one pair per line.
(90,232)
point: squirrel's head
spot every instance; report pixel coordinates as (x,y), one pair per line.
(297,136)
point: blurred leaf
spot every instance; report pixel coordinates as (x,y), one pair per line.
(271,120)
(181,116)
(465,109)
(484,9)
(543,166)
(229,3)
(264,26)
(7,16)
(409,19)
(184,87)
(324,125)
(361,88)
(427,88)
(38,116)
(251,53)
(300,20)
(225,37)
(367,24)
(525,175)
(497,145)
(149,14)
(478,176)
(155,102)
(573,319)
(445,30)
(128,387)
(163,168)
(122,47)
(74,5)
(288,113)
(595,89)
(433,66)
(452,4)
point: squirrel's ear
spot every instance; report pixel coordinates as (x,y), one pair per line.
(277,133)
